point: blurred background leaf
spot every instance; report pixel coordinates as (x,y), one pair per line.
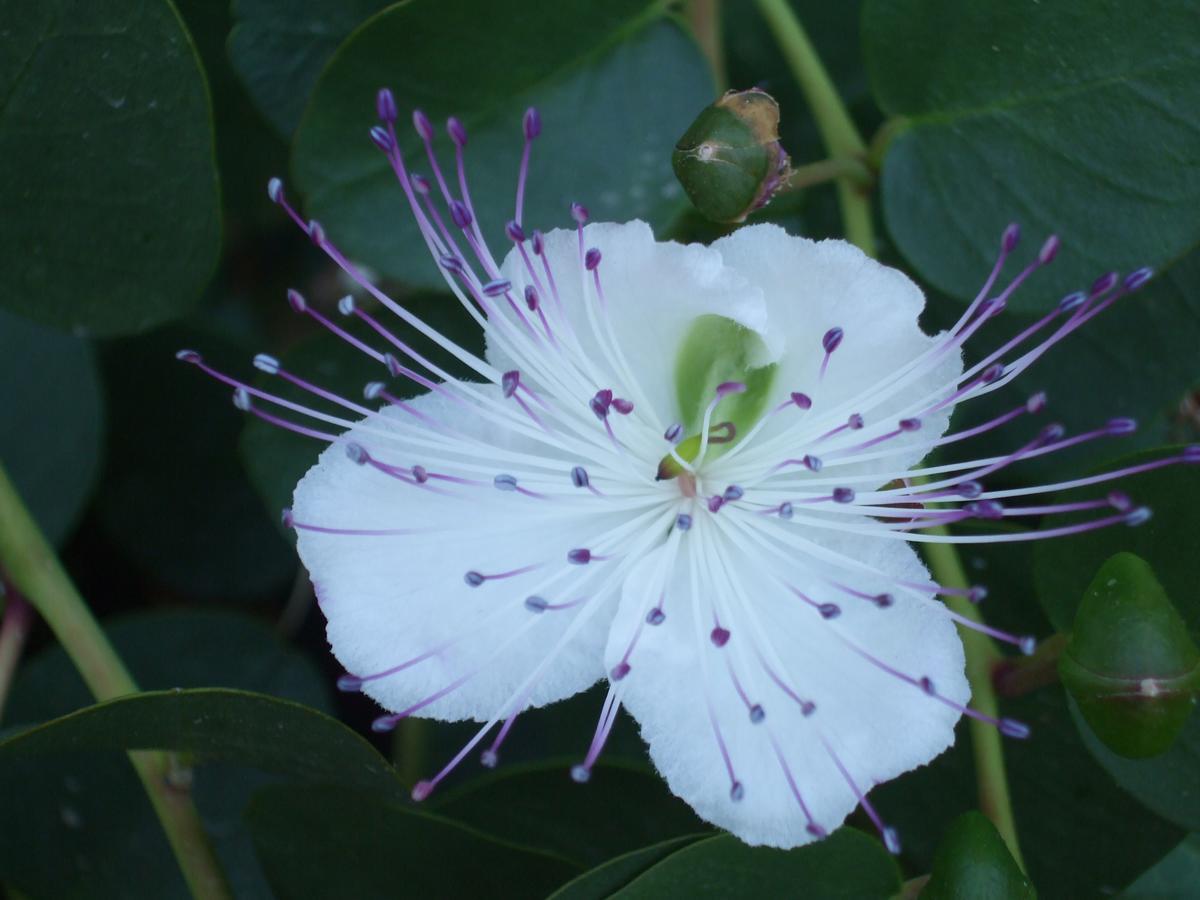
(111,206)
(1070,116)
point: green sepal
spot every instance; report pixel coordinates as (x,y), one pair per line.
(973,862)
(1130,664)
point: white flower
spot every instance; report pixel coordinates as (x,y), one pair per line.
(689,470)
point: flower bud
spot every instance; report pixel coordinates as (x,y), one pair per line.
(730,161)
(1130,663)
(973,861)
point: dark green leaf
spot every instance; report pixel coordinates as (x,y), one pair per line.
(974,862)
(1169,879)
(1074,117)
(108,185)
(174,497)
(847,865)
(607,141)
(51,422)
(620,809)
(608,877)
(280,46)
(330,842)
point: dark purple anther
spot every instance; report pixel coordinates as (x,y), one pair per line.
(591,259)
(719,636)
(1013,729)
(829,610)
(457,132)
(926,684)
(802,400)
(977,594)
(622,406)
(275,190)
(816,830)
(1036,403)
(532,123)
(380,138)
(757,714)
(1105,283)
(489,759)
(725,388)
(474,579)
(1121,426)
(984,509)
(1051,433)
(419,474)
(421,791)
(993,307)
(1139,516)
(832,339)
(536,604)
(286,518)
(1049,249)
(422,124)
(601,402)
(385,105)
(843,495)
(992,373)
(514,231)
(812,463)
(459,214)
(531,297)
(968,489)
(357,454)
(1012,237)
(1120,501)
(580,556)
(1072,302)
(349,683)
(785,509)
(497,288)
(1137,278)
(505,482)
(452,264)
(316,233)
(619,671)
(1027,644)
(580,774)
(683,522)
(891,840)
(189,356)
(673,433)
(393,365)
(510,381)
(910,424)
(655,617)
(538,242)
(715,502)
(736,792)
(855,422)
(883,601)
(807,708)
(579,213)
(734,492)
(579,477)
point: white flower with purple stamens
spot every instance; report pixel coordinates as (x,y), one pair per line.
(694,471)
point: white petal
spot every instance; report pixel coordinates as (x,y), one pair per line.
(878,725)
(653,292)
(389,599)
(810,287)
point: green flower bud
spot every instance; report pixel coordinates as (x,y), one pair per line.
(730,161)
(1130,663)
(973,861)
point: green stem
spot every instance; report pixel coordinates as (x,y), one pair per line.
(705,18)
(1017,676)
(982,657)
(15,623)
(827,170)
(833,121)
(30,565)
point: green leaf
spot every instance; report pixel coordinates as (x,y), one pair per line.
(847,864)
(174,497)
(108,187)
(1073,117)
(620,809)
(76,823)
(332,842)
(1169,876)
(974,862)
(279,47)
(604,880)
(52,421)
(605,142)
